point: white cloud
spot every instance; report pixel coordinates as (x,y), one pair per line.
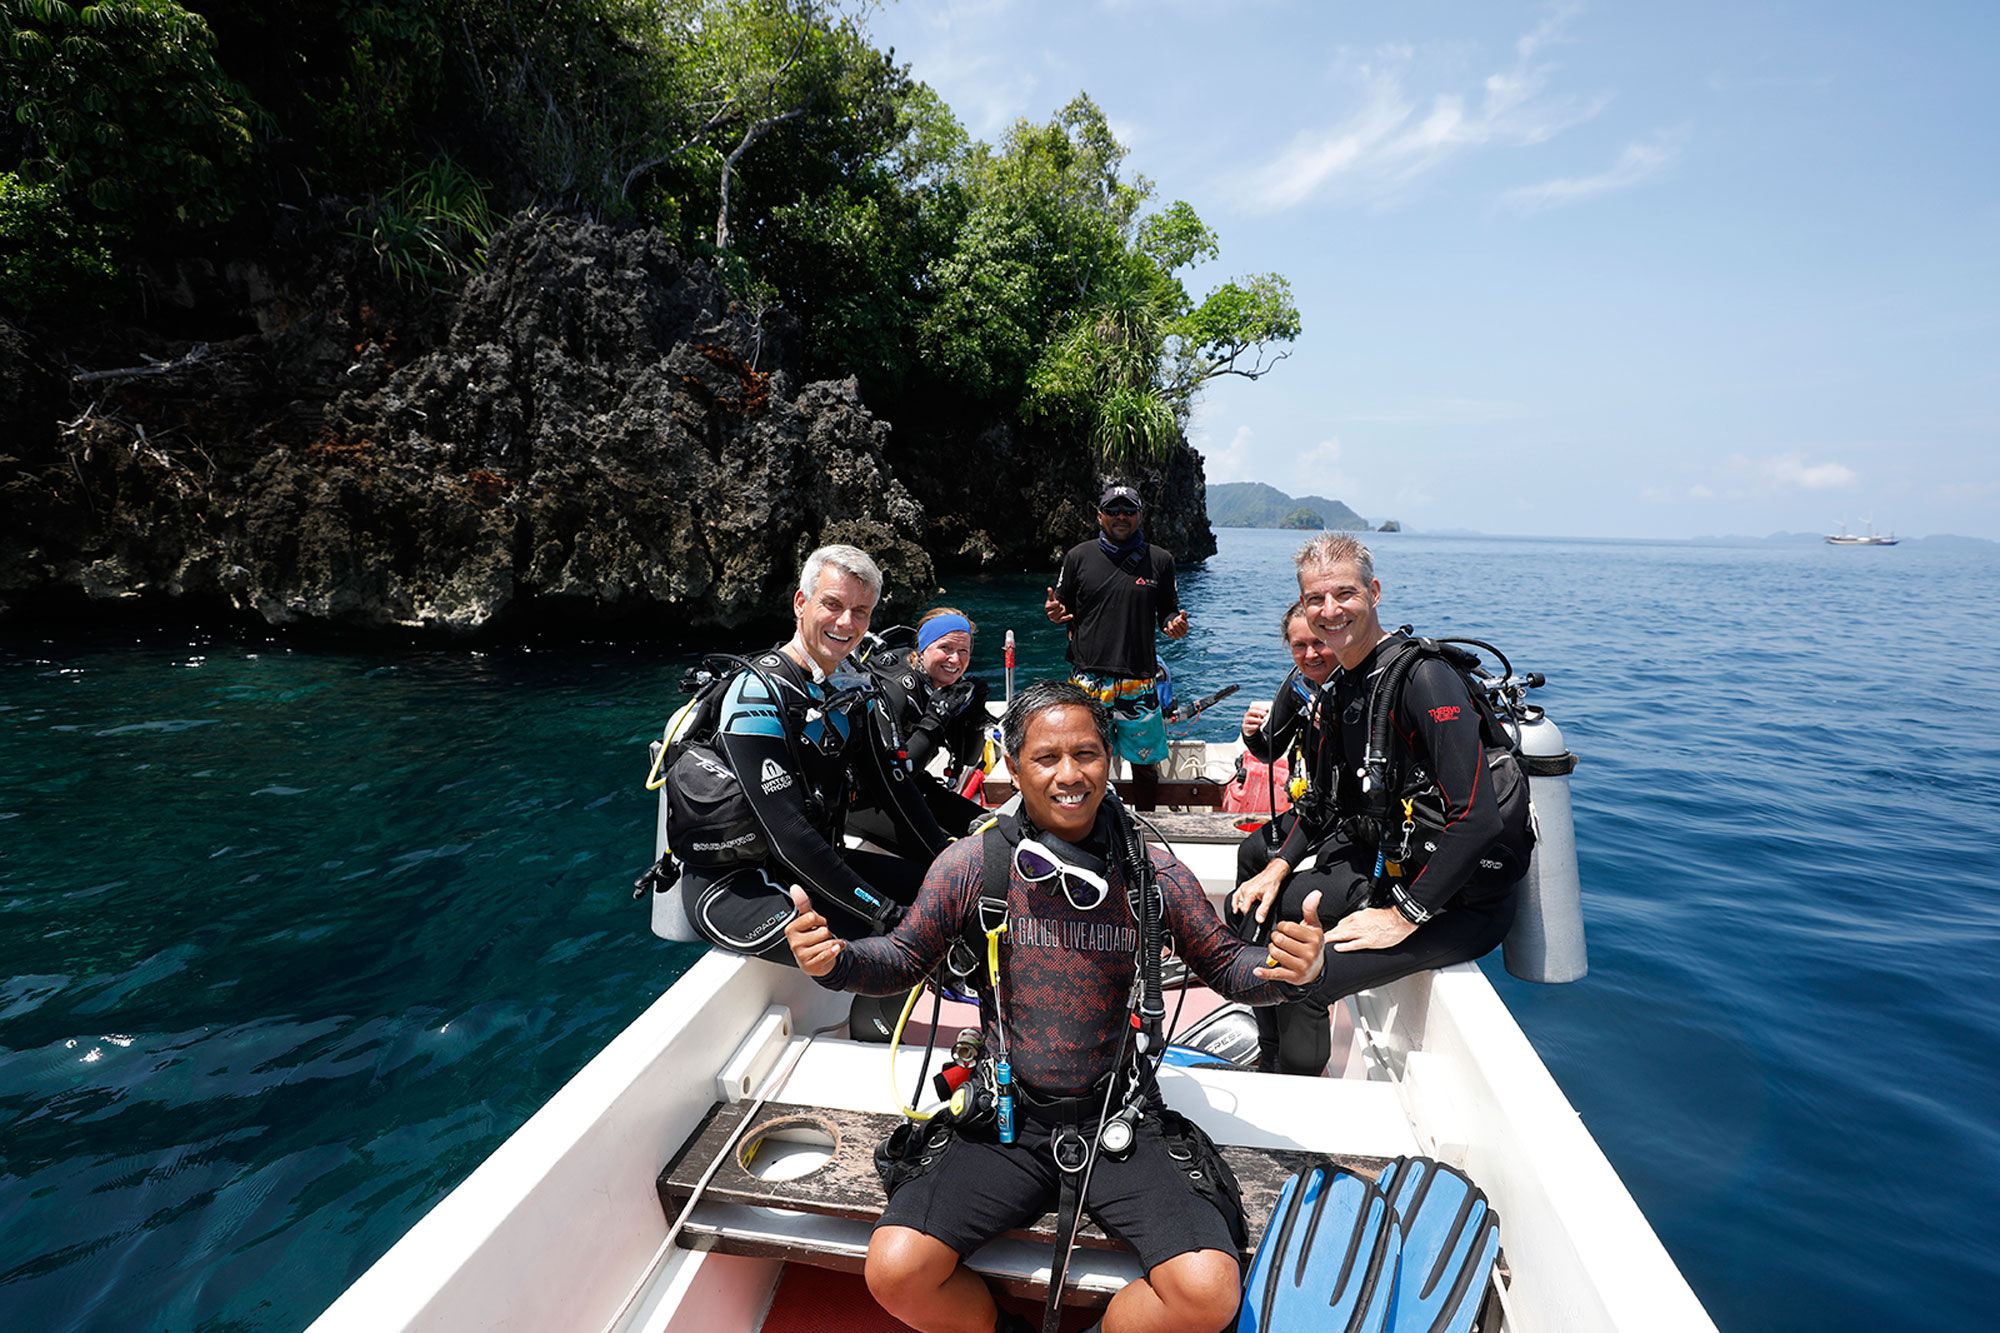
(1394,135)
(988,86)
(1793,470)
(1746,478)
(1317,472)
(1639,162)
(1232,461)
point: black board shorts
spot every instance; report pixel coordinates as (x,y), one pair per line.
(980,1187)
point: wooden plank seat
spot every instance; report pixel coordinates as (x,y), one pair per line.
(800,1185)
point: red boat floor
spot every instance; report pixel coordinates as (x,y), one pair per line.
(819,1300)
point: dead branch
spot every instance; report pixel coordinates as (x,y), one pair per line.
(732,108)
(152,367)
(756,132)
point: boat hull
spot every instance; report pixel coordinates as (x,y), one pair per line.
(559,1227)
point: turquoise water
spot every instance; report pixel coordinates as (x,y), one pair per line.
(290,939)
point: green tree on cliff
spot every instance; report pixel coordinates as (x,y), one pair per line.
(1062,295)
(1032,278)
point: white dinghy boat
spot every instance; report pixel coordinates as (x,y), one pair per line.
(709,1171)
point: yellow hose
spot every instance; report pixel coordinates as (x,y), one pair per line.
(895,1042)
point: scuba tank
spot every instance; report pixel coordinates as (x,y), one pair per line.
(1546,941)
(668,908)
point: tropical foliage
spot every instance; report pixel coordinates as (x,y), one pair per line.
(126,110)
(1031,277)
(431,225)
(49,261)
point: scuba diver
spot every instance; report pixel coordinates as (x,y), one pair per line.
(1072,908)
(929,704)
(1290,724)
(757,801)
(1418,860)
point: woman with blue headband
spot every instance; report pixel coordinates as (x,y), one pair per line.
(935,706)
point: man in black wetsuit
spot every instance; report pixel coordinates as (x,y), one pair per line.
(796,758)
(1392,922)
(1060,1011)
(1112,593)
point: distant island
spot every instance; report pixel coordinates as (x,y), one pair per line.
(1252,504)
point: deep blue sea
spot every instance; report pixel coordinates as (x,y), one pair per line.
(292,937)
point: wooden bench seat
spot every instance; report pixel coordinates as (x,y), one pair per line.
(799,1217)
(823,1137)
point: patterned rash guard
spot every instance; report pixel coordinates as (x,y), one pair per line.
(1065,974)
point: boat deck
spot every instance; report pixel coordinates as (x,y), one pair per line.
(799,1185)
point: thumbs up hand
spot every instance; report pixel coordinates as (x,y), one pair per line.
(813,944)
(1297,947)
(1053,608)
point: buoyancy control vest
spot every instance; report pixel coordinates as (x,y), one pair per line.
(1401,809)
(709,821)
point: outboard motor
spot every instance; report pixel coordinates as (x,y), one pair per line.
(1546,941)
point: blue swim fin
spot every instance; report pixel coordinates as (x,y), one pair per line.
(1327,1261)
(1450,1238)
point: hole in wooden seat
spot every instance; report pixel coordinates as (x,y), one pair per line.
(789,1149)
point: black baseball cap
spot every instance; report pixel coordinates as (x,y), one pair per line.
(1117,494)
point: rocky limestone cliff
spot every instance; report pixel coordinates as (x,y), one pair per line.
(1000,497)
(592,432)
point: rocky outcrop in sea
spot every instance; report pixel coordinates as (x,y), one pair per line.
(592,431)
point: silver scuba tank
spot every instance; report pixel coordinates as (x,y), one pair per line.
(669,905)
(670,918)
(1546,940)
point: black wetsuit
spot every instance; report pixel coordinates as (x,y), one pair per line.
(1118,604)
(1293,724)
(919,719)
(799,788)
(1292,716)
(1461,907)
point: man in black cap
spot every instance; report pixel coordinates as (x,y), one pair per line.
(1112,593)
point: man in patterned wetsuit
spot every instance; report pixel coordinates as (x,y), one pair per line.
(1067,965)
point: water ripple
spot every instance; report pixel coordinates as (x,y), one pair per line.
(248,1042)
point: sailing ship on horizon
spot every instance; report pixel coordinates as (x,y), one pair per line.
(1870,538)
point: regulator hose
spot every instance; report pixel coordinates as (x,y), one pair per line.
(1152,1003)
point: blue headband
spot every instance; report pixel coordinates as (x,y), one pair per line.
(937,627)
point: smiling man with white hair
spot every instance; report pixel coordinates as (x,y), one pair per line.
(760,804)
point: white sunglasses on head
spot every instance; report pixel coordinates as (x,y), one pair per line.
(1038,864)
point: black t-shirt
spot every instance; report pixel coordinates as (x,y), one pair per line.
(1118,605)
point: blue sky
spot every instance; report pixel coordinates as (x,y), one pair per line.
(1565,269)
